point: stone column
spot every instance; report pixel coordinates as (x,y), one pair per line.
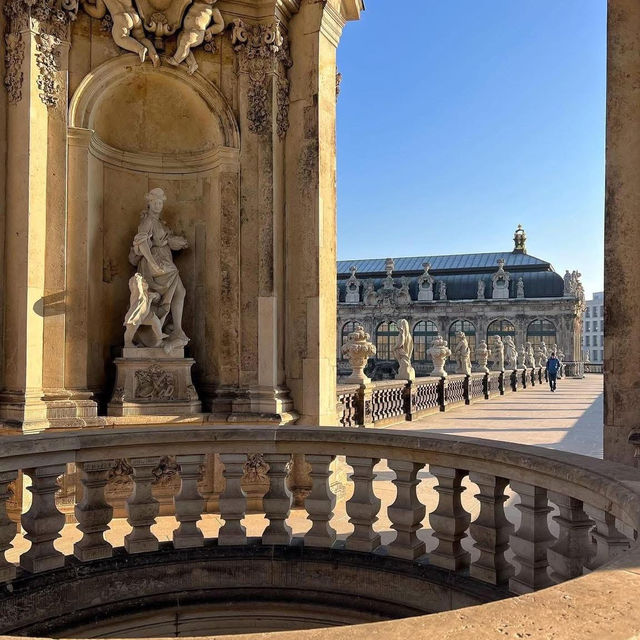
(35,208)
(310,218)
(622,268)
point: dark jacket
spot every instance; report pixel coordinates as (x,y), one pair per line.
(553,366)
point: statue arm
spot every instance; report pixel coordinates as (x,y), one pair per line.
(142,246)
(217,25)
(95,11)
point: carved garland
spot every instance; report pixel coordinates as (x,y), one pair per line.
(47,20)
(264,54)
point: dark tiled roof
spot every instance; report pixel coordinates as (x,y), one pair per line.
(460,262)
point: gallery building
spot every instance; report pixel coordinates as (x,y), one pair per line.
(482,294)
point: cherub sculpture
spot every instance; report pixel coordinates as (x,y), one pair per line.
(196,30)
(126,21)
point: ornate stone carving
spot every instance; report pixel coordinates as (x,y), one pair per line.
(255,468)
(481,287)
(403,296)
(338,83)
(358,349)
(166,472)
(155,383)
(520,288)
(463,354)
(439,352)
(544,353)
(156,289)
(121,472)
(263,52)
(482,356)
(13,59)
(530,360)
(403,350)
(522,355)
(370,296)
(47,61)
(425,284)
(500,281)
(353,287)
(48,19)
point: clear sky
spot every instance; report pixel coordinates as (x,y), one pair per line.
(460,119)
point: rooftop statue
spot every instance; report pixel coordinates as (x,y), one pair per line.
(156,289)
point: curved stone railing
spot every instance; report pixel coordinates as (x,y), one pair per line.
(598,504)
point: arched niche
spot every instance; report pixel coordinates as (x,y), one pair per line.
(133,128)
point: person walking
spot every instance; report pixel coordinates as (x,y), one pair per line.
(553,366)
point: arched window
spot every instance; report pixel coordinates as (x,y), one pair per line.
(423,334)
(540,330)
(386,335)
(347,328)
(500,328)
(469,330)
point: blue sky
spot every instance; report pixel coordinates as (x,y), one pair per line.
(459,119)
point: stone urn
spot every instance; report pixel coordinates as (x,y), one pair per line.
(358,350)
(482,355)
(439,353)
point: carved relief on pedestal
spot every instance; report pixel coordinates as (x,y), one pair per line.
(155,383)
(13,58)
(264,53)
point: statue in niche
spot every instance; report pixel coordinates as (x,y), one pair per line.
(481,286)
(126,21)
(463,354)
(520,288)
(195,30)
(402,352)
(156,289)
(442,289)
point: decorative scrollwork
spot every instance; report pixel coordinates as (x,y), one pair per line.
(13,59)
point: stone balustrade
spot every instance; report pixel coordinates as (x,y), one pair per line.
(381,403)
(597,505)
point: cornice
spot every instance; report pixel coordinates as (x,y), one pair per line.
(259,10)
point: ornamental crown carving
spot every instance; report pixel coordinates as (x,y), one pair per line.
(353,287)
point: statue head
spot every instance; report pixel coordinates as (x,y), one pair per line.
(155,200)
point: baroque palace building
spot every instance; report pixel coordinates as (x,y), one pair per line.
(483,294)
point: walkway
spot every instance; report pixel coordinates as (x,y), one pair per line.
(571,419)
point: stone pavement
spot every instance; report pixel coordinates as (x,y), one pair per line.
(571,419)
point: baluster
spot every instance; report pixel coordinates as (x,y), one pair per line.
(43,522)
(608,540)
(93,513)
(363,506)
(491,530)
(233,501)
(449,521)
(571,551)
(277,501)
(407,512)
(188,503)
(531,541)
(8,528)
(142,507)
(320,503)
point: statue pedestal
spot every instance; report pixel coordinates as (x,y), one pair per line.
(152,382)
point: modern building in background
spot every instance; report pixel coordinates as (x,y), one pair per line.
(483,294)
(593,328)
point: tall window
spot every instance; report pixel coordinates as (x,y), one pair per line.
(423,334)
(347,328)
(540,330)
(587,326)
(469,330)
(587,341)
(500,328)
(386,335)
(602,312)
(587,313)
